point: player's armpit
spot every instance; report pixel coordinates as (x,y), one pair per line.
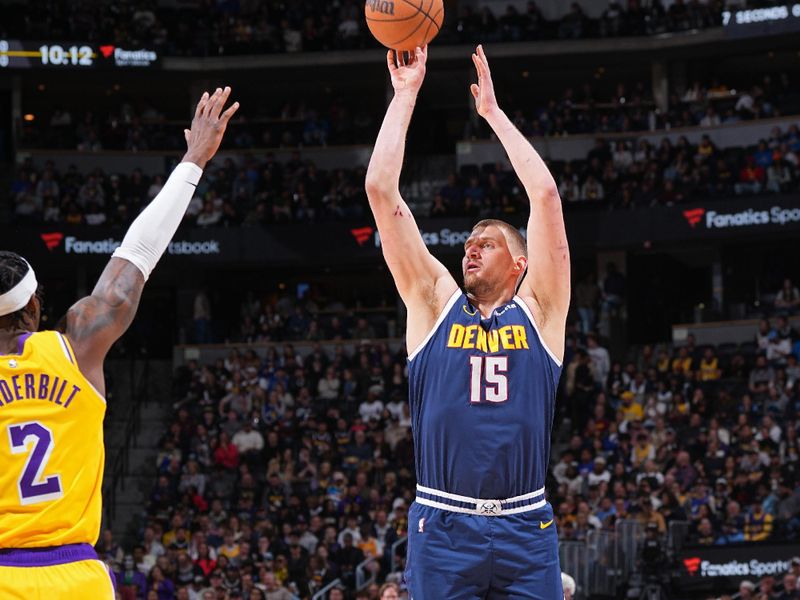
(96,322)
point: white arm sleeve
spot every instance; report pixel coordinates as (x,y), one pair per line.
(150,233)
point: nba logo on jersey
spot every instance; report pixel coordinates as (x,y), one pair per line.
(421,526)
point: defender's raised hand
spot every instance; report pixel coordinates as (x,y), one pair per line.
(483,91)
(208,126)
(407,74)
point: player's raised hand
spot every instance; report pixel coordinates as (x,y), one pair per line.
(483,91)
(407,73)
(208,126)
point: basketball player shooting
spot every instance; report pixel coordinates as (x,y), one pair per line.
(52,393)
(483,367)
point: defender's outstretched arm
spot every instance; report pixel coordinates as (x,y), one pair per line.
(94,323)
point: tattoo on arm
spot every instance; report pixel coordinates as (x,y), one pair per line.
(110,309)
(398,212)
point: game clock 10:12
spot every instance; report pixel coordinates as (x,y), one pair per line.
(19,54)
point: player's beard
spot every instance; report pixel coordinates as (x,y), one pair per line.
(476,286)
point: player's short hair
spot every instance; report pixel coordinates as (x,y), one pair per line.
(516,243)
(12,269)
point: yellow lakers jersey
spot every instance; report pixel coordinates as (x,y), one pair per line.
(51,446)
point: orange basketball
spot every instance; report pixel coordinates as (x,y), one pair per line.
(404,24)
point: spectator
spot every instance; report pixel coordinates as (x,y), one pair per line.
(751,178)
(747,590)
(790,589)
(601,361)
(249,442)
(131,582)
(587,294)
(758,524)
(788,297)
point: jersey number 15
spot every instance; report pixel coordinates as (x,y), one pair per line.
(488,379)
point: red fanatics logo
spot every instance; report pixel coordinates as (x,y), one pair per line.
(692,564)
(362,234)
(52,240)
(694,216)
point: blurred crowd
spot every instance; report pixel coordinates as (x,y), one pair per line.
(283,471)
(229,27)
(280,472)
(628,174)
(141,127)
(691,433)
(623,174)
(252,193)
(630,107)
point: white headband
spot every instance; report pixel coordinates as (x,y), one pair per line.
(19,296)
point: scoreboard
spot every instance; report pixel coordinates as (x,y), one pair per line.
(23,54)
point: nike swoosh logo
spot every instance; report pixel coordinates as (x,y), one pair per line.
(546,525)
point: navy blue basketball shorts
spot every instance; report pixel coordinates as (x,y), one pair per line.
(455,556)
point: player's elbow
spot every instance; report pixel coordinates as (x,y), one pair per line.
(549,191)
(376,186)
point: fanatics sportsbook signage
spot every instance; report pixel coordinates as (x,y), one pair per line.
(337,243)
(723,567)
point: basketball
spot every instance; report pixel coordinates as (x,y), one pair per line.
(404,24)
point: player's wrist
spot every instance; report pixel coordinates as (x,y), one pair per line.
(493,115)
(195,157)
(406,95)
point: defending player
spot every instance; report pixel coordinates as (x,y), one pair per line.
(52,387)
(483,370)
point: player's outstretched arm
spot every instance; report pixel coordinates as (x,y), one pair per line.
(547,283)
(94,323)
(422,281)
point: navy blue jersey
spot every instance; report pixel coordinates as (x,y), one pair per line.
(482,395)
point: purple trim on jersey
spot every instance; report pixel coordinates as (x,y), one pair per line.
(46,557)
(21,342)
(65,346)
(113,578)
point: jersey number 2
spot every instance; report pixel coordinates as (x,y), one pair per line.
(488,379)
(32,488)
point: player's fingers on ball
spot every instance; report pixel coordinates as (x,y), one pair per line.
(390,60)
(475,90)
